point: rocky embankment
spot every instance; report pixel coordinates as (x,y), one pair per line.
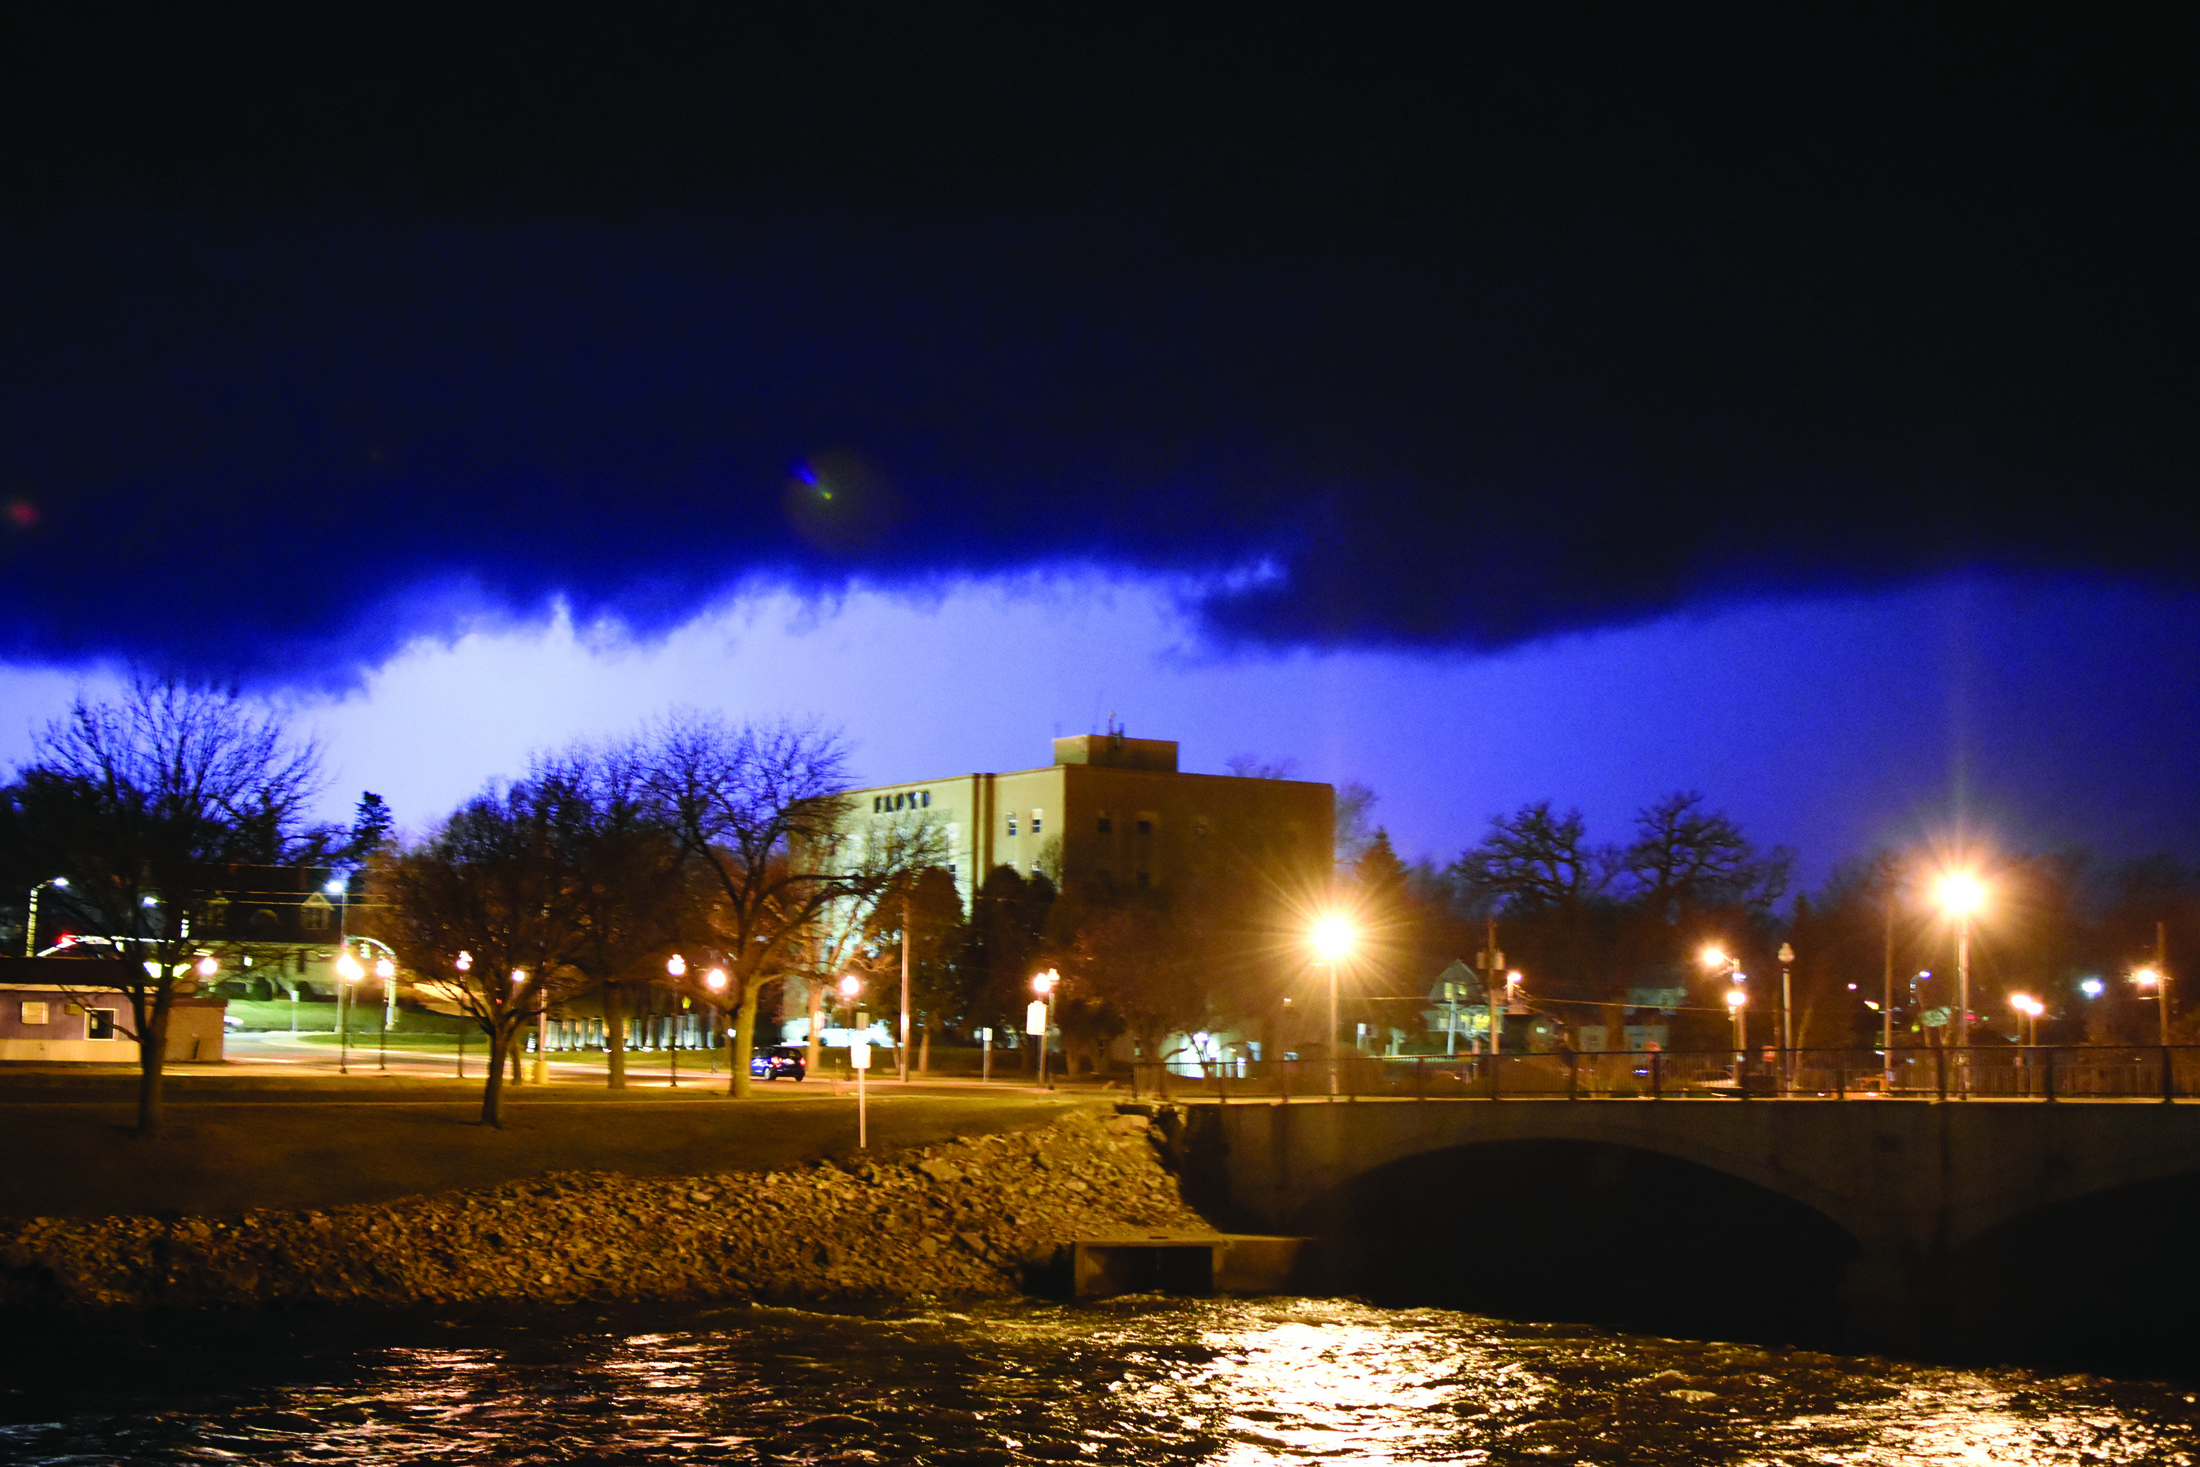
(969,1218)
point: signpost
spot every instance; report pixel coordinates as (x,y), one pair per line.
(859,1060)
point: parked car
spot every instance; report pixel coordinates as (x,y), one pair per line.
(782,1062)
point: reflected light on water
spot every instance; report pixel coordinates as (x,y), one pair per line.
(1133,1381)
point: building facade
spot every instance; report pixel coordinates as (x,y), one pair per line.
(1114,812)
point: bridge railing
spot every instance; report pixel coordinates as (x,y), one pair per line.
(2044,1073)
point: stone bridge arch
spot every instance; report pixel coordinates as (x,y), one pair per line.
(1915,1188)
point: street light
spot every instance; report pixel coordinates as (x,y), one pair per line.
(2031,1008)
(30,920)
(859,1060)
(349,971)
(1044,985)
(2157,980)
(676,968)
(386,970)
(1961,895)
(463,962)
(1715,957)
(715,981)
(1787,1012)
(1333,941)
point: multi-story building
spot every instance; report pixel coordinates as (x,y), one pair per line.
(1116,812)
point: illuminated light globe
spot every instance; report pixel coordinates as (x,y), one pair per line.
(1961,893)
(1333,937)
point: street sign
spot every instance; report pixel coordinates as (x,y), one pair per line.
(1035,1018)
(859,1056)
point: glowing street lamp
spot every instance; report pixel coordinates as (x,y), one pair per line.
(386,971)
(2156,979)
(1334,938)
(1044,985)
(2031,1008)
(1961,894)
(1737,999)
(715,981)
(676,968)
(349,972)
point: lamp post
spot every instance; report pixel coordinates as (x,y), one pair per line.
(1961,895)
(1044,985)
(2031,1008)
(2156,979)
(386,970)
(30,919)
(859,1060)
(1737,999)
(348,972)
(715,981)
(463,962)
(1787,1013)
(1333,938)
(676,968)
(901,1043)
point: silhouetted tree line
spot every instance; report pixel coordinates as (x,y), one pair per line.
(1609,933)
(729,844)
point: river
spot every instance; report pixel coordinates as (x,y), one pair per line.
(1139,1380)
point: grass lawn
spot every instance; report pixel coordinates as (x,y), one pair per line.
(276,1014)
(303,1148)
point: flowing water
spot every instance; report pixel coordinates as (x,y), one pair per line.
(1133,1380)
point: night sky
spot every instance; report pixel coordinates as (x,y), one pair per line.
(1587,409)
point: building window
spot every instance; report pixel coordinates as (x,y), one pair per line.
(99,1023)
(1145,879)
(924,798)
(878,804)
(1145,827)
(1106,825)
(315,916)
(1035,822)
(34,1011)
(1011,825)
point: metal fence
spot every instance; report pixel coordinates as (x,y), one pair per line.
(2001,1072)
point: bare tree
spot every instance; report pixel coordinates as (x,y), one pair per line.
(1686,860)
(489,910)
(759,809)
(629,897)
(921,914)
(144,803)
(878,855)
(1141,956)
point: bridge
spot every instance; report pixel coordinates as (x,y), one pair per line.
(1890,1223)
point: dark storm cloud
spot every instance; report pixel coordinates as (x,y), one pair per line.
(1474,337)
